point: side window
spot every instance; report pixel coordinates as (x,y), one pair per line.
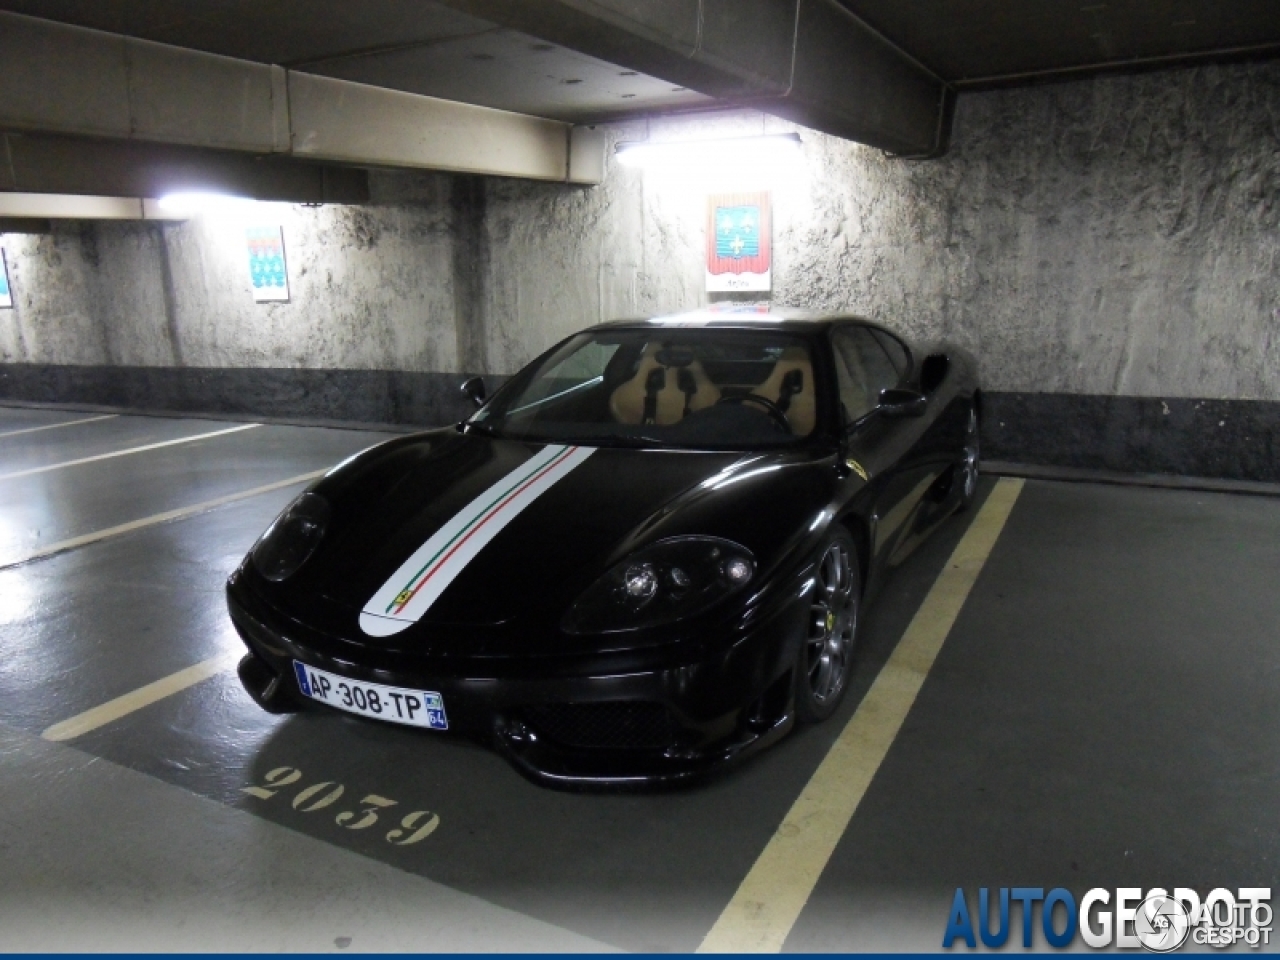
(862,370)
(898,355)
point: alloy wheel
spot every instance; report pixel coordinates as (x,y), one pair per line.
(969,470)
(832,625)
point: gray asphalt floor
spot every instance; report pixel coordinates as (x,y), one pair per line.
(1103,713)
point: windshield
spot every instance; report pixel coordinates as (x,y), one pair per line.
(698,388)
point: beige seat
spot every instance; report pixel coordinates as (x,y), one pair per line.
(674,391)
(790,385)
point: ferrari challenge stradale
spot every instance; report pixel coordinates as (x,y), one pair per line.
(642,559)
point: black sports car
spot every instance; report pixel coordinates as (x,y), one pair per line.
(643,558)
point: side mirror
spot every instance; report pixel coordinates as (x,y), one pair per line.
(474,388)
(897,402)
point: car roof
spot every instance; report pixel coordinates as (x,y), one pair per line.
(741,317)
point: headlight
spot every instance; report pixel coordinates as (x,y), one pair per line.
(664,582)
(292,538)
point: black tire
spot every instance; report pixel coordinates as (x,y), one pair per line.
(824,662)
(966,471)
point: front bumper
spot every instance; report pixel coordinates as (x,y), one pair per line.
(584,725)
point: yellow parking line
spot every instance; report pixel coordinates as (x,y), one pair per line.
(126,452)
(54,426)
(113,710)
(74,542)
(770,898)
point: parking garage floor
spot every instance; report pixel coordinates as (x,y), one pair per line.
(1103,713)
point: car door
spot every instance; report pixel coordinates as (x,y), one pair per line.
(885,449)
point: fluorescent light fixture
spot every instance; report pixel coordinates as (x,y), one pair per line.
(750,158)
(191,203)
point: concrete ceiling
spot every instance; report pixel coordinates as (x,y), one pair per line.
(417,46)
(248,96)
(982,43)
(434,48)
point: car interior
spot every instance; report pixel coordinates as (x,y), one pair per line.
(702,389)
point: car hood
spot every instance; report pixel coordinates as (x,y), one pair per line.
(518,563)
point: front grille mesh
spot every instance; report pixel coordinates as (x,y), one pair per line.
(615,725)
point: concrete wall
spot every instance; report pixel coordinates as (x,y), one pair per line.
(1114,237)
(370,289)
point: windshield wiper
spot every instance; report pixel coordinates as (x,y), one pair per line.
(604,440)
(626,440)
(629,440)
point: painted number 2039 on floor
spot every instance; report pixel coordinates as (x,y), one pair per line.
(417,708)
(413,827)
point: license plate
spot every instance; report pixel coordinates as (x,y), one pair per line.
(417,708)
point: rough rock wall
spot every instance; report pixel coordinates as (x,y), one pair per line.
(371,288)
(1121,235)
(1112,236)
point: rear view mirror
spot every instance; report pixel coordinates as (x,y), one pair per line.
(474,388)
(898,402)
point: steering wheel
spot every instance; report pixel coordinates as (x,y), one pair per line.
(775,412)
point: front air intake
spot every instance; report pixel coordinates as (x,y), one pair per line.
(611,725)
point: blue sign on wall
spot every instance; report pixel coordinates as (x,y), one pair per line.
(739,245)
(6,296)
(737,232)
(267,269)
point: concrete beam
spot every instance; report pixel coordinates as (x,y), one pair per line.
(357,123)
(811,61)
(57,78)
(54,206)
(40,163)
(72,81)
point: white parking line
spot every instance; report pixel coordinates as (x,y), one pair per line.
(126,452)
(63,545)
(55,426)
(113,710)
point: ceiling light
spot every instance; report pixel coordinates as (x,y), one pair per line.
(761,158)
(192,203)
